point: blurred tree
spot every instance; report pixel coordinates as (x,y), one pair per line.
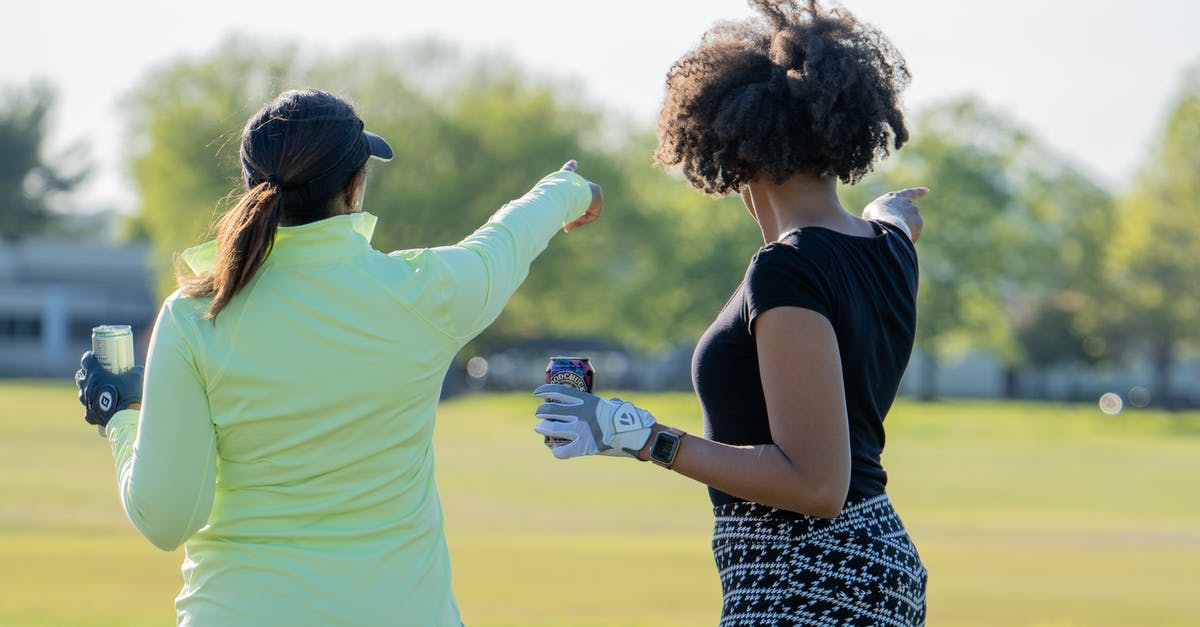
(1156,246)
(1056,309)
(28,184)
(671,256)
(469,134)
(1011,263)
(477,132)
(968,250)
(1014,235)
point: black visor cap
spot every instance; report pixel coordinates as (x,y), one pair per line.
(379,146)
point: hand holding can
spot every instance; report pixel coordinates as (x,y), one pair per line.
(576,372)
(112,344)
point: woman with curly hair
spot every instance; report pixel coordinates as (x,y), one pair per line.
(798,371)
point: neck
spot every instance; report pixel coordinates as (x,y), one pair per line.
(798,202)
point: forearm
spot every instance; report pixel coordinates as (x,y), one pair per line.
(814,480)
(555,201)
(516,234)
(121,432)
(760,473)
(161,497)
(488,266)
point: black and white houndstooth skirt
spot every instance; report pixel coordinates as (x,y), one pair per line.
(783,568)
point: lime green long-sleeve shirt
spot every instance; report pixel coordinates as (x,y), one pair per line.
(288,445)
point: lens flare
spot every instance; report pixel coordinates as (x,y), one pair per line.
(1139,396)
(477,367)
(1111,404)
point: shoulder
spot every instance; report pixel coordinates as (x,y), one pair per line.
(183,316)
(789,273)
(181,325)
(180,305)
(898,235)
(800,250)
(812,267)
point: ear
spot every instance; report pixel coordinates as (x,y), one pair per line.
(355,191)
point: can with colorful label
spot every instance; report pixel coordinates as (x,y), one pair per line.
(576,372)
(112,344)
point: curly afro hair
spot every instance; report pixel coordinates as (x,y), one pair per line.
(796,90)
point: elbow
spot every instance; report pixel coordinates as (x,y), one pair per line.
(823,499)
(165,513)
(165,537)
(162,531)
(163,542)
(828,508)
(824,504)
(831,498)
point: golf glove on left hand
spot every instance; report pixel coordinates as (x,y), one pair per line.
(593,425)
(103,393)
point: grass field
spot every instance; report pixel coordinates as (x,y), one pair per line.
(1025,514)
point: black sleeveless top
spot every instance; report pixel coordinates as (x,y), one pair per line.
(867,288)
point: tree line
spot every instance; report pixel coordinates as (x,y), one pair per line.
(1025,256)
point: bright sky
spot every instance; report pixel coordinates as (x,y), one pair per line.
(1092,79)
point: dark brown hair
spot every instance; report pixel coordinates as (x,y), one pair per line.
(796,90)
(298,153)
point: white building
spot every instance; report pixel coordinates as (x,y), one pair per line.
(52,292)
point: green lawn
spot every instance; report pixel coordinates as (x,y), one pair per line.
(1025,514)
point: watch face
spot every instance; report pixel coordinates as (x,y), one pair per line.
(664,447)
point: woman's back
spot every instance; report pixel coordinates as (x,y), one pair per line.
(284,424)
(322,382)
(288,440)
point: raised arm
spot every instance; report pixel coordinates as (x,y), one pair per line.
(899,209)
(470,282)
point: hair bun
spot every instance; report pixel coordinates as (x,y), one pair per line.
(788,49)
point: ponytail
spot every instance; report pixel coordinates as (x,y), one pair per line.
(299,154)
(245,236)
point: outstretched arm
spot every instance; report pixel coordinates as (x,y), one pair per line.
(471,282)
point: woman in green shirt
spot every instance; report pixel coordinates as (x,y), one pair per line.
(283,431)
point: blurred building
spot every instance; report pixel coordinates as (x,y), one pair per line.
(52,292)
(520,365)
(978,375)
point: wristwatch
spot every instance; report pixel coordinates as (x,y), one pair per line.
(666,446)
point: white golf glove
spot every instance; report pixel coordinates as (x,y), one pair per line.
(592,425)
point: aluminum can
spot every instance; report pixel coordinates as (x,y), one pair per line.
(112,344)
(576,372)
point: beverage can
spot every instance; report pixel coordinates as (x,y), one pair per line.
(576,372)
(112,344)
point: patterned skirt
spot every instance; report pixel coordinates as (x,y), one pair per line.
(783,568)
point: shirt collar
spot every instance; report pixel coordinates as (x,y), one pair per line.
(308,241)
